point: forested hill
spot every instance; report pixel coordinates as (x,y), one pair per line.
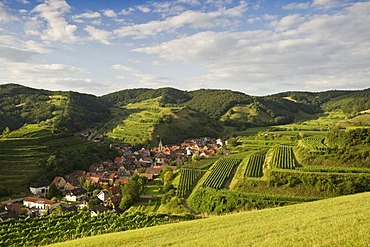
(72,111)
(68,111)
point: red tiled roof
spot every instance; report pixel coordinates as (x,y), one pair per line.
(38,200)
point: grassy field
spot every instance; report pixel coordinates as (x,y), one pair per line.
(307,224)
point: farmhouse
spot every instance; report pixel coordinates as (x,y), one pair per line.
(39,203)
(77,194)
(59,182)
(38,188)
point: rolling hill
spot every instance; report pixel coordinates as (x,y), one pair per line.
(31,119)
(341,221)
(72,111)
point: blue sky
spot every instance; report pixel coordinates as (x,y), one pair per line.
(254,46)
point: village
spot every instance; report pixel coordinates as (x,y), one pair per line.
(99,188)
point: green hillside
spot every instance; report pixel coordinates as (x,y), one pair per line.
(341,221)
(67,111)
(321,129)
(24,152)
(144,122)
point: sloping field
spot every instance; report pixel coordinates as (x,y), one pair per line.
(341,221)
(21,154)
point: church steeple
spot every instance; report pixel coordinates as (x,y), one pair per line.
(160,145)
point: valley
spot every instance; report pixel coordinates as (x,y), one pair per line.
(190,154)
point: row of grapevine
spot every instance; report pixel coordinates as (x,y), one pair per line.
(283,157)
(255,165)
(220,172)
(52,229)
(188,178)
(314,143)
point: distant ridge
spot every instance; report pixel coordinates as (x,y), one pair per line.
(217,108)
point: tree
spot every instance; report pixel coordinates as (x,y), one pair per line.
(132,190)
(54,192)
(6,131)
(232,142)
(167,177)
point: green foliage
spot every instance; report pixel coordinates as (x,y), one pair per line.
(336,183)
(315,143)
(341,221)
(216,102)
(208,200)
(169,96)
(283,157)
(220,173)
(201,164)
(188,179)
(82,111)
(351,103)
(255,165)
(131,191)
(61,227)
(53,192)
(68,110)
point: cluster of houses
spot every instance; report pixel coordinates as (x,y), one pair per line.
(110,175)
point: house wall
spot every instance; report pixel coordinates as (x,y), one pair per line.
(40,190)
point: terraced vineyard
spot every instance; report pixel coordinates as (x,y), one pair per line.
(315,143)
(255,165)
(21,153)
(135,122)
(220,172)
(283,157)
(188,178)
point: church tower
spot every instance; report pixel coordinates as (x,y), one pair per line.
(160,145)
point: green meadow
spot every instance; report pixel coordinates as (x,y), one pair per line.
(341,221)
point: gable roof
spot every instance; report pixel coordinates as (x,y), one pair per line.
(38,200)
(40,184)
(78,191)
(99,208)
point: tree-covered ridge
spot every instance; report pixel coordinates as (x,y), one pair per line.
(312,99)
(168,96)
(20,105)
(216,102)
(123,97)
(83,111)
(351,103)
(69,111)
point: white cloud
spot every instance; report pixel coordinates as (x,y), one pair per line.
(109,13)
(141,79)
(126,11)
(143,9)
(326,3)
(321,4)
(58,29)
(98,34)
(189,2)
(190,18)
(319,52)
(88,15)
(14,49)
(291,6)
(37,47)
(5,16)
(268,17)
(125,68)
(287,22)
